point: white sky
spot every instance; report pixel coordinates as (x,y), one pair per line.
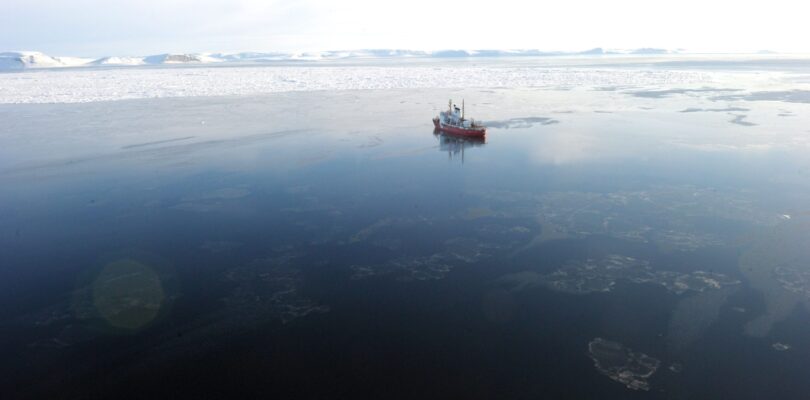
(139,27)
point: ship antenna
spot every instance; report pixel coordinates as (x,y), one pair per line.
(462,109)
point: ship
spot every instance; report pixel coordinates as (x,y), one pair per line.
(453,122)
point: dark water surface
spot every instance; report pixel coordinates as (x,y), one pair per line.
(322,245)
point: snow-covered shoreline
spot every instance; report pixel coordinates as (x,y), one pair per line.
(22,60)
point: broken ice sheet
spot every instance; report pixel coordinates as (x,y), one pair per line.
(269,287)
(214,200)
(456,251)
(622,364)
(601,275)
(669,216)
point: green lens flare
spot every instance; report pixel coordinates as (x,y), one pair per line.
(128,294)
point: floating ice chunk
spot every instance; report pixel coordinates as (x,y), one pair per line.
(457,251)
(601,275)
(793,277)
(269,287)
(622,364)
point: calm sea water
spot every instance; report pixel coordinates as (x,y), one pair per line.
(331,245)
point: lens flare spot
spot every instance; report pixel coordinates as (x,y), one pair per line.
(128,294)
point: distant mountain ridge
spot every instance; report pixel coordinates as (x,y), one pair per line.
(35,59)
(32,59)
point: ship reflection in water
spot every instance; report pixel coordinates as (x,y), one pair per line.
(454,145)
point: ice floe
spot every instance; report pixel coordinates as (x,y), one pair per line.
(457,251)
(622,364)
(655,215)
(602,275)
(269,287)
(793,277)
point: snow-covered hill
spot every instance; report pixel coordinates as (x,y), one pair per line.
(118,61)
(180,59)
(34,59)
(19,60)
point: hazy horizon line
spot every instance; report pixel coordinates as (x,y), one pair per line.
(445,51)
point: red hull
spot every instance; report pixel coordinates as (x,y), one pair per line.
(454,130)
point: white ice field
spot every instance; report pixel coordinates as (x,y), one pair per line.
(77,85)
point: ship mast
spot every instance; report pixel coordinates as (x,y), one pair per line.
(462,109)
